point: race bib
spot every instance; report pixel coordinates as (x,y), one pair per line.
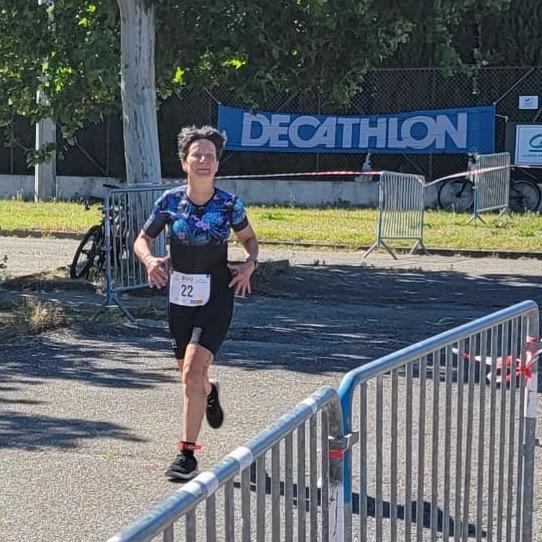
(189,290)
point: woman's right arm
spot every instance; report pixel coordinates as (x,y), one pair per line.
(156,266)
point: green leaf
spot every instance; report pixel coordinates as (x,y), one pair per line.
(178,75)
(235,62)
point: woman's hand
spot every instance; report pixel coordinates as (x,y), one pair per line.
(156,270)
(241,276)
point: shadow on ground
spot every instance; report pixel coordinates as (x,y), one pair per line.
(31,432)
(304,318)
(443,523)
(316,319)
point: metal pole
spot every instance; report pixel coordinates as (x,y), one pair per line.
(529,439)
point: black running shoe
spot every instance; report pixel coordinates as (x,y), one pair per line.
(184,467)
(214,412)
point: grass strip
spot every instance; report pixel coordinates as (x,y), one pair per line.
(341,226)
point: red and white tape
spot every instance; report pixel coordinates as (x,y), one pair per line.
(508,366)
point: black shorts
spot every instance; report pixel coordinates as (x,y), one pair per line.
(207,325)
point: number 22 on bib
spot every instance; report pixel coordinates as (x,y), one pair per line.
(189,290)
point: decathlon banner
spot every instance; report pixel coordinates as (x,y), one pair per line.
(470,129)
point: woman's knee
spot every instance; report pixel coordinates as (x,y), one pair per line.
(197,354)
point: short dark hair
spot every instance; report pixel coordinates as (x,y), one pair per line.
(189,134)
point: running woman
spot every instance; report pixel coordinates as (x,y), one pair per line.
(202,283)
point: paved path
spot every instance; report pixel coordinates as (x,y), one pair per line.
(88,415)
(32,254)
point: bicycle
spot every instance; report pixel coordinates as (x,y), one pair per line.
(89,259)
(458,195)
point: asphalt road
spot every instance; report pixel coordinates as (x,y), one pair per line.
(89,414)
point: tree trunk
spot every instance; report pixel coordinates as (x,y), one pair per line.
(138,91)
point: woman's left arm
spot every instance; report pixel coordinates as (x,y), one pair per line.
(242,271)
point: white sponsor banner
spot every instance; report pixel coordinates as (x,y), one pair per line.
(528,102)
(528,145)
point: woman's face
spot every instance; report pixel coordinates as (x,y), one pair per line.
(201,162)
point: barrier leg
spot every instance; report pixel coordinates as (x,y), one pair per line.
(373,247)
(389,249)
(476,216)
(475,211)
(418,244)
(379,244)
(110,303)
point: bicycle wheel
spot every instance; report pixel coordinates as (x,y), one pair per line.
(524,196)
(456,195)
(88,254)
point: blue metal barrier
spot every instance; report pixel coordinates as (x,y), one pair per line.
(487,450)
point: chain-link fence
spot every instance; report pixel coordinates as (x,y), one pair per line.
(98,149)
(13,157)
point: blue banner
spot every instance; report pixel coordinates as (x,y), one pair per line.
(469,129)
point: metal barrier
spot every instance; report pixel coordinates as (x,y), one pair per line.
(127,210)
(456,463)
(400,210)
(491,176)
(306,476)
(446,435)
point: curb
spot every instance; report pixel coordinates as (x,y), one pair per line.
(42,233)
(437,251)
(37,281)
(440,251)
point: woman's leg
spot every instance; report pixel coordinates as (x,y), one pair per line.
(180,365)
(195,365)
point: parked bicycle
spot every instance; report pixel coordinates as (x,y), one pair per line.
(458,194)
(89,259)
